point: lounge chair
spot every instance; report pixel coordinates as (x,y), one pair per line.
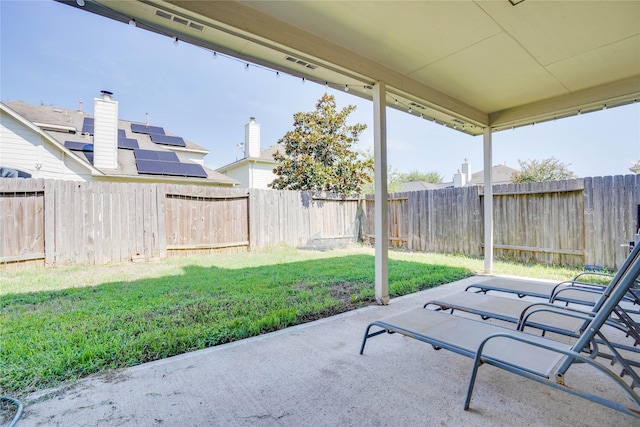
(542,316)
(538,358)
(573,291)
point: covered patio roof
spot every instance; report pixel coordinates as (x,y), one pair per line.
(466,64)
(474,66)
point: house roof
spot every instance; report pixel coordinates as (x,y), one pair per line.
(469,65)
(500,174)
(64,125)
(421,185)
(266,156)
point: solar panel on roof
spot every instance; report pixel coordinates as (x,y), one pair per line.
(157,167)
(152,167)
(128,143)
(165,156)
(172,168)
(87,125)
(168,140)
(78,146)
(165,163)
(193,170)
(145,154)
(140,128)
(183,169)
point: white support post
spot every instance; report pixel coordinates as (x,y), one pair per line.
(381,211)
(488,201)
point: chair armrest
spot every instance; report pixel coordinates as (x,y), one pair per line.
(591,273)
(540,307)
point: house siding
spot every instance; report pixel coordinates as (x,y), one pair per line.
(252,174)
(22,148)
(239,174)
(262,175)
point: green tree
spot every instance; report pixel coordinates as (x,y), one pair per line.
(317,152)
(550,169)
(393,177)
(431,176)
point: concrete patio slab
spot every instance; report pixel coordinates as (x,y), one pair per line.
(312,375)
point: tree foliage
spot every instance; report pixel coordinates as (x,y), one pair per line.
(550,169)
(317,152)
(395,179)
(432,177)
(393,182)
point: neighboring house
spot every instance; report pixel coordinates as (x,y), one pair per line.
(255,170)
(55,143)
(501,174)
(422,185)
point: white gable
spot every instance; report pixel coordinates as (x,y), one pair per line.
(25,149)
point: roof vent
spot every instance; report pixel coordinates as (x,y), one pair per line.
(179,20)
(162,14)
(301,62)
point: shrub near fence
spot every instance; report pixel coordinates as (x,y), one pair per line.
(572,222)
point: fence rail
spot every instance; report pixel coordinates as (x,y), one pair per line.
(572,222)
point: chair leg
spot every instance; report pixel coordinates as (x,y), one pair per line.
(477,361)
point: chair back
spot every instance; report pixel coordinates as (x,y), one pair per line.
(624,279)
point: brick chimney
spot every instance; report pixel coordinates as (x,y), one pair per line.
(252,138)
(105,131)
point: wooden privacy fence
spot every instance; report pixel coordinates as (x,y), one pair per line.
(69,222)
(540,222)
(572,222)
(302,218)
(448,220)
(199,219)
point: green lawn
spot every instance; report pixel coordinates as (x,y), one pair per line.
(61,324)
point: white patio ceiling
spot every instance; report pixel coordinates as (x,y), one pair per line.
(466,64)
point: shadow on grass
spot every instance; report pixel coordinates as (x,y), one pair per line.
(56,336)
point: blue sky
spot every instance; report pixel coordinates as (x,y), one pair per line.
(57,55)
